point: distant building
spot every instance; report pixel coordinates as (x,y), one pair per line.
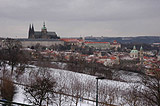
(73,41)
(43,34)
(115,45)
(134,53)
(98,45)
(42,38)
(155,45)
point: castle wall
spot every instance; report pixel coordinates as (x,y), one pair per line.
(47,43)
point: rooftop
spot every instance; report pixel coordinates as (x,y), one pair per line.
(97,42)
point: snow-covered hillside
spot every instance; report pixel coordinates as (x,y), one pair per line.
(86,87)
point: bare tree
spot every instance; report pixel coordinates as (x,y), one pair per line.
(132,97)
(150,91)
(12,50)
(23,60)
(107,94)
(8,89)
(40,88)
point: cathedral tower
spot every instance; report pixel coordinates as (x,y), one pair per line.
(44,29)
(43,34)
(31,32)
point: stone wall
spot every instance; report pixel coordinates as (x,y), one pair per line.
(47,43)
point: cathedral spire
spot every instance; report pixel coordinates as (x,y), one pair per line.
(29,32)
(32,28)
(44,24)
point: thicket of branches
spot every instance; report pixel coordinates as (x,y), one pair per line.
(92,68)
(40,87)
(7,88)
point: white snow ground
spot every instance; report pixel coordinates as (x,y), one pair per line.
(63,76)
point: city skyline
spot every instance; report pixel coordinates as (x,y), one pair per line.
(75,18)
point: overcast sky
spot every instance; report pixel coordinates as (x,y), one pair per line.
(74,18)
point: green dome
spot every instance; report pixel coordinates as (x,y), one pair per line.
(44,27)
(134,51)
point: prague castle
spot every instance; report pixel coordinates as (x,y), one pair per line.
(43,34)
(43,38)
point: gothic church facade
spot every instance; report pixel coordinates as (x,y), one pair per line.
(43,34)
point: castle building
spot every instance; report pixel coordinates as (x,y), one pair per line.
(42,38)
(43,34)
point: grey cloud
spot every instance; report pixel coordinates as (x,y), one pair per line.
(112,16)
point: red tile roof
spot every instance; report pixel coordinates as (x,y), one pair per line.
(72,40)
(96,42)
(112,58)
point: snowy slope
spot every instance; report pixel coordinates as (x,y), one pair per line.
(67,77)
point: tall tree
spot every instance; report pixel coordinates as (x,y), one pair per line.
(151,89)
(8,89)
(12,50)
(40,88)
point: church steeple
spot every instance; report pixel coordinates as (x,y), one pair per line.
(141,48)
(32,28)
(134,47)
(44,26)
(44,29)
(30,31)
(141,55)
